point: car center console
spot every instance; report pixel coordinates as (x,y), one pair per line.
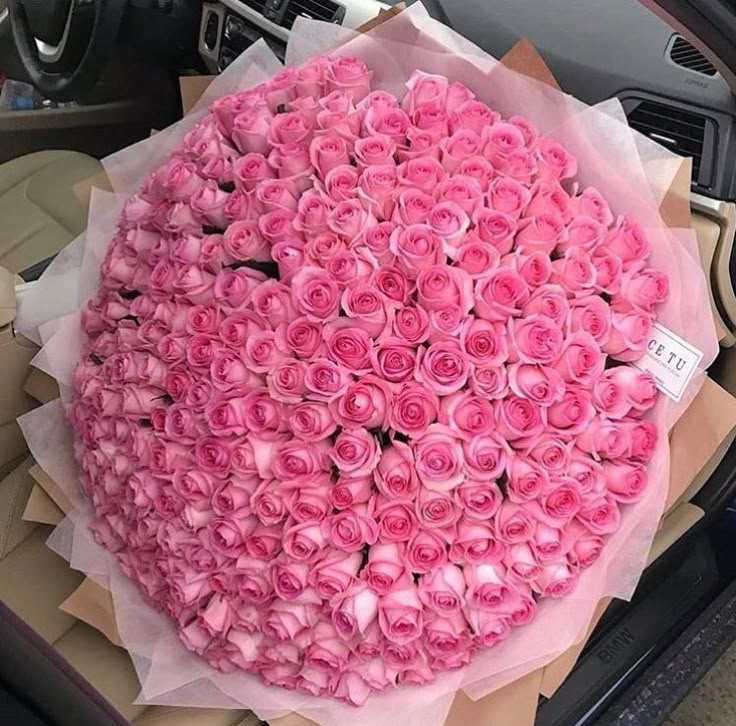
(230,26)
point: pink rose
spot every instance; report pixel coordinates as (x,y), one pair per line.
(473,115)
(605,439)
(441,286)
(487,587)
(411,323)
(518,418)
(466,415)
(327,152)
(420,172)
(495,228)
(639,386)
(489,628)
(431,117)
(424,88)
(489,381)
(479,499)
(541,233)
(426,551)
(477,258)
(593,316)
(249,170)
(262,415)
(308,501)
(501,140)
(200,351)
(392,283)
(367,307)
(290,160)
(574,272)
(311,421)
(414,409)
(508,196)
(554,161)
(396,521)
(436,510)
(446,324)
(584,233)
(393,360)
(353,611)
(439,459)
(386,121)
(375,150)
(416,248)
(363,403)
(356,452)
(630,332)
(349,345)
(643,289)
(478,168)
(449,641)
(548,543)
(625,482)
(325,380)
(581,360)
(289,128)
(348,218)
(521,563)
(195,284)
(233,288)
(443,367)
(500,295)
(412,207)
(644,437)
(449,221)
(351,265)
(463,144)
(627,241)
(289,579)
(548,197)
(262,352)
(464,191)
(341,183)
(573,413)
(351,529)
(442,590)
(608,270)
(350,75)
(400,615)
(335,573)
(348,491)
(514,524)
(600,515)
(377,239)
(475,543)
(312,211)
(586,472)
(385,568)
(250,130)
(315,294)
(550,301)
(303,337)
(535,269)
(590,203)
(228,536)
(556,580)
(395,475)
(177,180)
(289,255)
(559,502)
(537,339)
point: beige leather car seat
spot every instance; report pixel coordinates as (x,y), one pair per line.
(39,212)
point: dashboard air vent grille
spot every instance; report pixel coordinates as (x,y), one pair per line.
(315,9)
(684,53)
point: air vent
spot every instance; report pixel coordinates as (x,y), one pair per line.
(680,130)
(684,53)
(315,9)
(258,5)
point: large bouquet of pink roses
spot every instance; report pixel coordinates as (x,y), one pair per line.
(354,394)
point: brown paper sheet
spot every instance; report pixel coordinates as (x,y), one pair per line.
(41,508)
(191,89)
(41,386)
(675,207)
(83,190)
(92,604)
(50,487)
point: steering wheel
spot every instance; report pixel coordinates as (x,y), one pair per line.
(63,44)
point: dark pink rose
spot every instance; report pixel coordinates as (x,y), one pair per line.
(508,196)
(439,459)
(500,295)
(356,452)
(443,367)
(627,241)
(351,529)
(414,409)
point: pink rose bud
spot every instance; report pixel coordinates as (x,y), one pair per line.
(442,590)
(354,610)
(395,475)
(400,615)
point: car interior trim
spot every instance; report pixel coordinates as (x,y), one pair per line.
(52,53)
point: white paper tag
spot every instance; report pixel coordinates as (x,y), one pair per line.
(671,360)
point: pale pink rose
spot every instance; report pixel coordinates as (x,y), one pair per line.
(479,499)
(440,286)
(386,121)
(548,543)
(279,89)
(376,189)
(365,403)
(420,172)
(591,315)
(625,481)
(395,475)
(644,437)
(289,128)
(550,301)
(302,336)
(348,218)
(325,246)
(487,587)
(315,294)
(375,150)
(289,255)
(436,510)
(581,360)
(477,258)
(412,207)
(541,233)
(351,529)
(249,170)
(418,143)
(495,228)
(442,590)
(289,579)
(310,78)
(489,627)
(276,194)
(211,455)
(557,579)
(627,241)
(584,547)
(643,289)
(609,397)
(233,288)
(262,415)
(536,339)
(228,536)
(349,344)
(500,295)
(308,501)
(265,543)
(514,524)
(377,239)
(262,353)
(630,332)
(574,272)
(385,568)
(554,161)
(466,415)
(393,360)
(508,196)
(489,381)
(463,144)
(414,409)
(518,418)
(400,615)
(586,472)
(431,117)
(250,130)
(416,248)
(608,268)
(558,503)
(228,371)
(475,543)
(325,380)
(439,459)
(424,88)
(585,233)
(195,284)
(350,75)
(478,168)
(327,152)
(535,268)
(291,161)
(639,386)
(449,221)
(590,203)
(356,452)
(311,421)
(177,180)
(335,573)
(443,367)
(549,197)
(600,514)
(501,140)
(351,265)
(484,342)
(449,642)
(605,439)
(550,452)
(521,562)
(473,115)
(341,182)
(446,324)
(573,413)
(202,319)
(354,610)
